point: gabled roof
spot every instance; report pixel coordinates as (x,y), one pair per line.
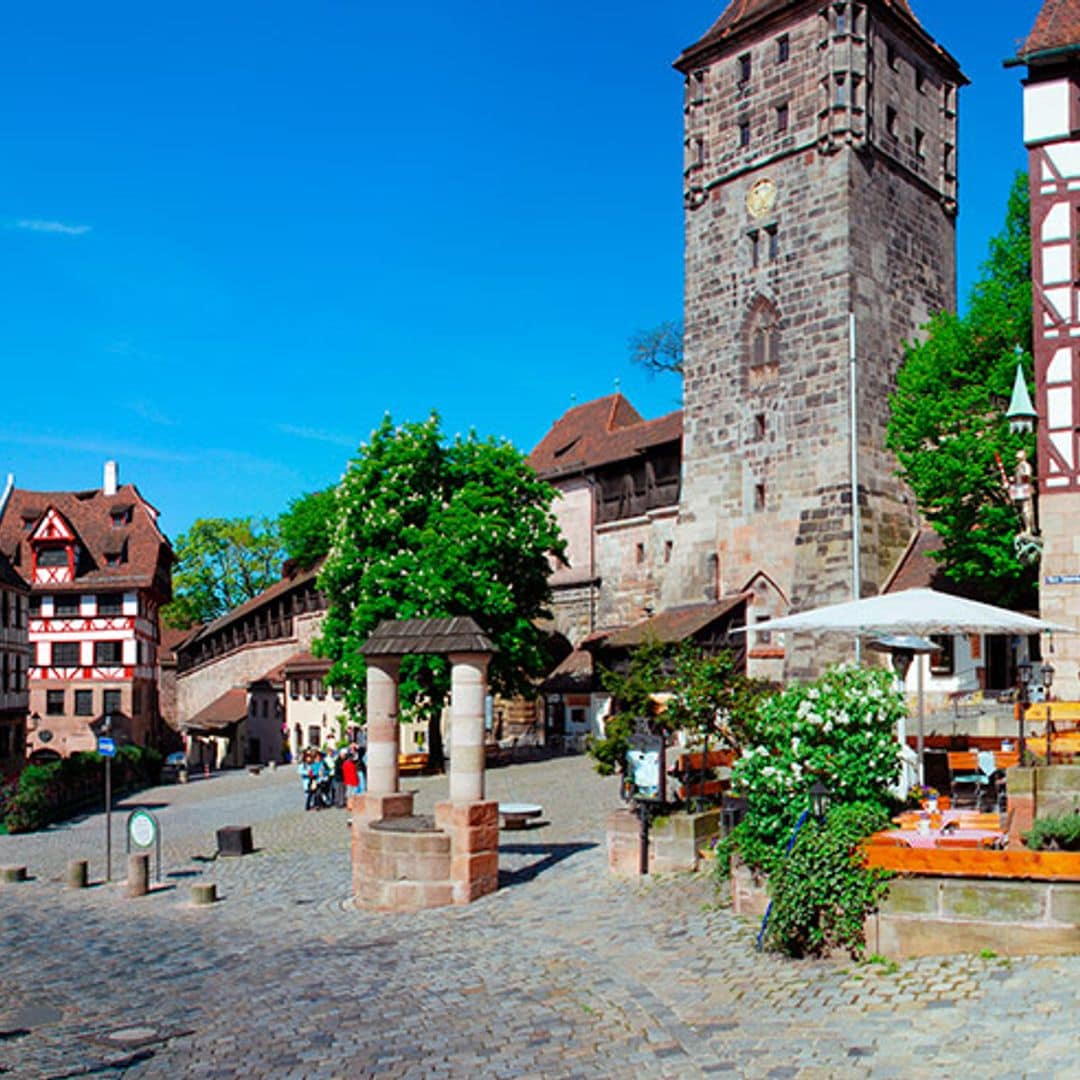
(676,624)
(303,663)
(743,18)
(90,515)
(221,713)
(917,568)
(1057,28)
(601,432)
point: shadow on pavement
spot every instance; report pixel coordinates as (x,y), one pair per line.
(547,856)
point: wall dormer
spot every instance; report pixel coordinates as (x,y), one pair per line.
(54,548)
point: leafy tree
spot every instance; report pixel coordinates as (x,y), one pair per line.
(659,349)
(431,530)
(220,563)
(307,527)
(705,695)
(948,428)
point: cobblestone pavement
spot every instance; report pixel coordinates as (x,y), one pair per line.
(565,972)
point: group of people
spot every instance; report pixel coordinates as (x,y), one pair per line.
(331,778)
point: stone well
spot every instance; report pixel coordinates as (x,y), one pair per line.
(403,862)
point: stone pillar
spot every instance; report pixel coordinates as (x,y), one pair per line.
(382,725)
(468,680)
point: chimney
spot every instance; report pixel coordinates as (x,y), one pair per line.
(112,470)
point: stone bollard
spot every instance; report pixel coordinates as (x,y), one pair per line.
(78,873)
(203,894)
(12,873)
(138,879)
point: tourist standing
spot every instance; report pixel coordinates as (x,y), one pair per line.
(350,777)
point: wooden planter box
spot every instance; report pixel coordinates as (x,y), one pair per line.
(978,863)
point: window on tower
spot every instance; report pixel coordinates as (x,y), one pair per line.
(755,256)
(774,243)
(840,96)
(759,426)
(920,80)
(763,343)
(759,496)
(782,117)
(783,49)
(744,133)
(920,144)
(841,19)
(745,68)
(890,121)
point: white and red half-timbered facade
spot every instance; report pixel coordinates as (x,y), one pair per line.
(99,570)
(1052,136)
(14,661)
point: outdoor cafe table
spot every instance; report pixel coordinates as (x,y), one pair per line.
(952,827)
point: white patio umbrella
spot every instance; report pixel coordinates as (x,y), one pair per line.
(917,612)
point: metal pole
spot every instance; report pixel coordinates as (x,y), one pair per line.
(108,807)
(922,715)
(856,575)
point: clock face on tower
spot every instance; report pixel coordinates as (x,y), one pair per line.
(761,198)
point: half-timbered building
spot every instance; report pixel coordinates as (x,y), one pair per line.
(14,666)
(99,569)
(1051,54)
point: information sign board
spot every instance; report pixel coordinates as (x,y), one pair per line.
(106,746)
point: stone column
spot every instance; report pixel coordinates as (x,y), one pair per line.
(382,725)
(468,680)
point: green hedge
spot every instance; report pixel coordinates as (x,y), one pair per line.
(1060,833)
(56,789)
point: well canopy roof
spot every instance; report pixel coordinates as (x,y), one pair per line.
(916,611)
(407,637)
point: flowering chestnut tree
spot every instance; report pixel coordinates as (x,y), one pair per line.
(839,729)
(429,529)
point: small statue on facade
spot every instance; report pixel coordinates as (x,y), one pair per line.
(1022,491)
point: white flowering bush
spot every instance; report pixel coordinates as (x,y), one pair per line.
(839,729)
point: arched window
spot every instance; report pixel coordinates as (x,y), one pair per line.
(763,342)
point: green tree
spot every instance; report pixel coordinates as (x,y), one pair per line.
(677,688)
(220,563)
(428,529)
(947,426)
(307,527)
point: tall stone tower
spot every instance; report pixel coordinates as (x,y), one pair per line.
(820,184)
(1052,135)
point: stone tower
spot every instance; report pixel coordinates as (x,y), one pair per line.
(819,183)
(1052,134)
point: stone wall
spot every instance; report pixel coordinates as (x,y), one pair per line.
(674,841)
(785,237)
(198,687)
(1059,512)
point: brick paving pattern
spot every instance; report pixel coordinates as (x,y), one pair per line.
(565,972)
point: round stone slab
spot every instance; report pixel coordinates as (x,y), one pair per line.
(516,815)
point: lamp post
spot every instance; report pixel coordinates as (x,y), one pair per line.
(1023,675)
(1047,673)
(820,798)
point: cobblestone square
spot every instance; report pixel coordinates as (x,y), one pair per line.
(565,972)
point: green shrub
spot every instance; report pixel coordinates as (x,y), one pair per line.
(839,729)
(1060,833)
(821,892)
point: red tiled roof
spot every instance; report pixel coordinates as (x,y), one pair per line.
(1057,26)
(601,432)
(306,662)
(172,639)
(917,569)
(222,712)
(89,513)
(675,624)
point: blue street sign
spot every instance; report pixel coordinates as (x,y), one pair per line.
(106,747)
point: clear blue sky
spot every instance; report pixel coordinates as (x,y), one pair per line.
(236,234)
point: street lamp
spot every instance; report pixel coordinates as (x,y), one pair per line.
(1047,673)
(1023,675)
(820,798)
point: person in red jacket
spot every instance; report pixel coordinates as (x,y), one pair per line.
(350,777)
